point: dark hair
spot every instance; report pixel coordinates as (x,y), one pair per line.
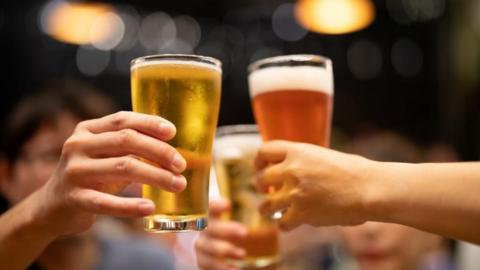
(45,106)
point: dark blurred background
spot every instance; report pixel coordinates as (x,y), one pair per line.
(413,69)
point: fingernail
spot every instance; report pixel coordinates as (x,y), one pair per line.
(178,183)
(146,207)
(179,163)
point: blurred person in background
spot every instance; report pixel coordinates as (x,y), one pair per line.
(55,182)
(388,246)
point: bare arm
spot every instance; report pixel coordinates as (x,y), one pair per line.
(22,236)
(442,198)
(319,186)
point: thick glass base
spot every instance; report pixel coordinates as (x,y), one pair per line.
(254,262)
(164,223)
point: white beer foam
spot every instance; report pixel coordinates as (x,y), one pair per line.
(175,62)
(236,146)
(291,78)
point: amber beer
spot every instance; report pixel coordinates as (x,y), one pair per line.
(185,89)
(235,148)
(292,97)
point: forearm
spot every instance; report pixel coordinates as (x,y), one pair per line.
(22,236)
(439,198)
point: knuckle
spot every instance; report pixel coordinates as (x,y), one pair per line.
(81,126)
(118,119)
(71,145)
(125,136)
(97,204)
(71,197)
(124,165)
(72,169)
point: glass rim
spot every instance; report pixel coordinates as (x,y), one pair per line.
(177,57)
(239,129)
(291,60)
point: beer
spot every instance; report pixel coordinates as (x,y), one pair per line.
(234,152)
(185,90)
(292,98)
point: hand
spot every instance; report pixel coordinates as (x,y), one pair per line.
(314,185)
(214,244)
(99,159)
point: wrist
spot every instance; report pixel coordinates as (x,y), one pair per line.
(39,217)
(386,190)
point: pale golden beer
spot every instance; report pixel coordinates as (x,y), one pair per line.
(292,98)
(185,89)
(235,148)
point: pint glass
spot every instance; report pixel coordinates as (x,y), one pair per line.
(184,89)
(234,151)
(292,98)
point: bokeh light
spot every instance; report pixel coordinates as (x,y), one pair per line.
(90,61)
(157,30)
(409,11)
(284,24)
(111,27)
(365,59)
(131,21)
(335,16)
(407,57)
(82,23)
(188,30)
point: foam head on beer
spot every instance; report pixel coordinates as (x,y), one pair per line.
(237,146)
(292,98)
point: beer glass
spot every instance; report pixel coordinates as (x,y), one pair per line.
(292,98)
(184,89)
(234,151)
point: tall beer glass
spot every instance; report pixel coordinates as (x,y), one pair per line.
(292,97)
(185,89)
(234,151)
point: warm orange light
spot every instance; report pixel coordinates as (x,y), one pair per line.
(335,16)
(78,23)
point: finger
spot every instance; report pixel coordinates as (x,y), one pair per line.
(271,152)
(290,219)
(217,248)
(105,204)
(130,141)
(206,262)
(271,178)
(229,230)
(217,207)
(278,201)
(90,172)
(151,125)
